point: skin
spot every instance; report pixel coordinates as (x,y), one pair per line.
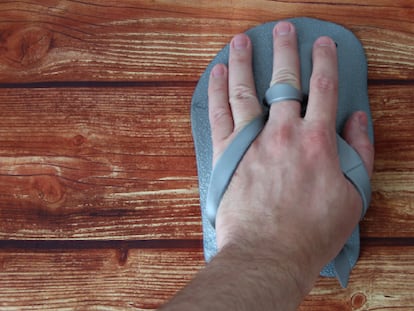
(271,231)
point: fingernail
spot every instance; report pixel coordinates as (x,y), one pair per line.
(240,42)
(218,71)
(325,41)
(283,28)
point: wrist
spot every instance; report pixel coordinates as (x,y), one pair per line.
(246,276)
(281,265)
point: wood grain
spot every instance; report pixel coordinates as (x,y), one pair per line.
(391,213)
(97,163)
(99,204)
(174,41)
(382,280)
(103,163)
(93,279)
(136,279)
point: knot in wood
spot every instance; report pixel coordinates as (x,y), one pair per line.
(358,300)
(78,140)
(122,256)
(26,46)
(48,189)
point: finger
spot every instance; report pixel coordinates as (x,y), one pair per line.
(286,68)
(221,121)
(243,100)
(323,93)
(355,134)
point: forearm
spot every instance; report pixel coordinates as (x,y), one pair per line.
(244,278)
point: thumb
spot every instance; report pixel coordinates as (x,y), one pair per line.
(355,134)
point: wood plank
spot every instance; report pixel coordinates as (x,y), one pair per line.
(118,163)
(99,203)
(382,280)
(142,279)
(175,40)
(95,279)
(97,163)
(392,209)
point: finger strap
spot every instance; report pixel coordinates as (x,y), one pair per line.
(282,91)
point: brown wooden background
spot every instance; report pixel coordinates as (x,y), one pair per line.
(99,203)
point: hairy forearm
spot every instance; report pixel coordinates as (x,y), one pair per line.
(242,279)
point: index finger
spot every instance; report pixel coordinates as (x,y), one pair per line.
(323,93)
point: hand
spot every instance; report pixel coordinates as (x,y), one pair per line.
(288,198)
(288,209)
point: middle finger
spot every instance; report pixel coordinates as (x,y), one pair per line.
(286,68)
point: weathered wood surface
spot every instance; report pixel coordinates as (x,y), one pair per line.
(98,189)
(142,279)
(93,279)
(97,163)
(101,163)
(174,40)
(382,280)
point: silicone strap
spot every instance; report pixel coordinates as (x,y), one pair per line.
(282,91)
(227,163)
(342,267)
(354,170)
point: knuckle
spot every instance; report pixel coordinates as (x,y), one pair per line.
(217,88)
(281,136)
(218,115)
(238,57)
(285,43)
(319,141)
(323,83)
(242,94)
(284,75)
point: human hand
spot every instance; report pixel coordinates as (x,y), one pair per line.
(289,182)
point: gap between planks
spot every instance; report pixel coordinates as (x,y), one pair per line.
(159,244)
(143,84)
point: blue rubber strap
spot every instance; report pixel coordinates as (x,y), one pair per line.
(282,91)
(227,163)
(354,169)
(342,267)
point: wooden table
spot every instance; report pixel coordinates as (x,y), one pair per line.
(99,204)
